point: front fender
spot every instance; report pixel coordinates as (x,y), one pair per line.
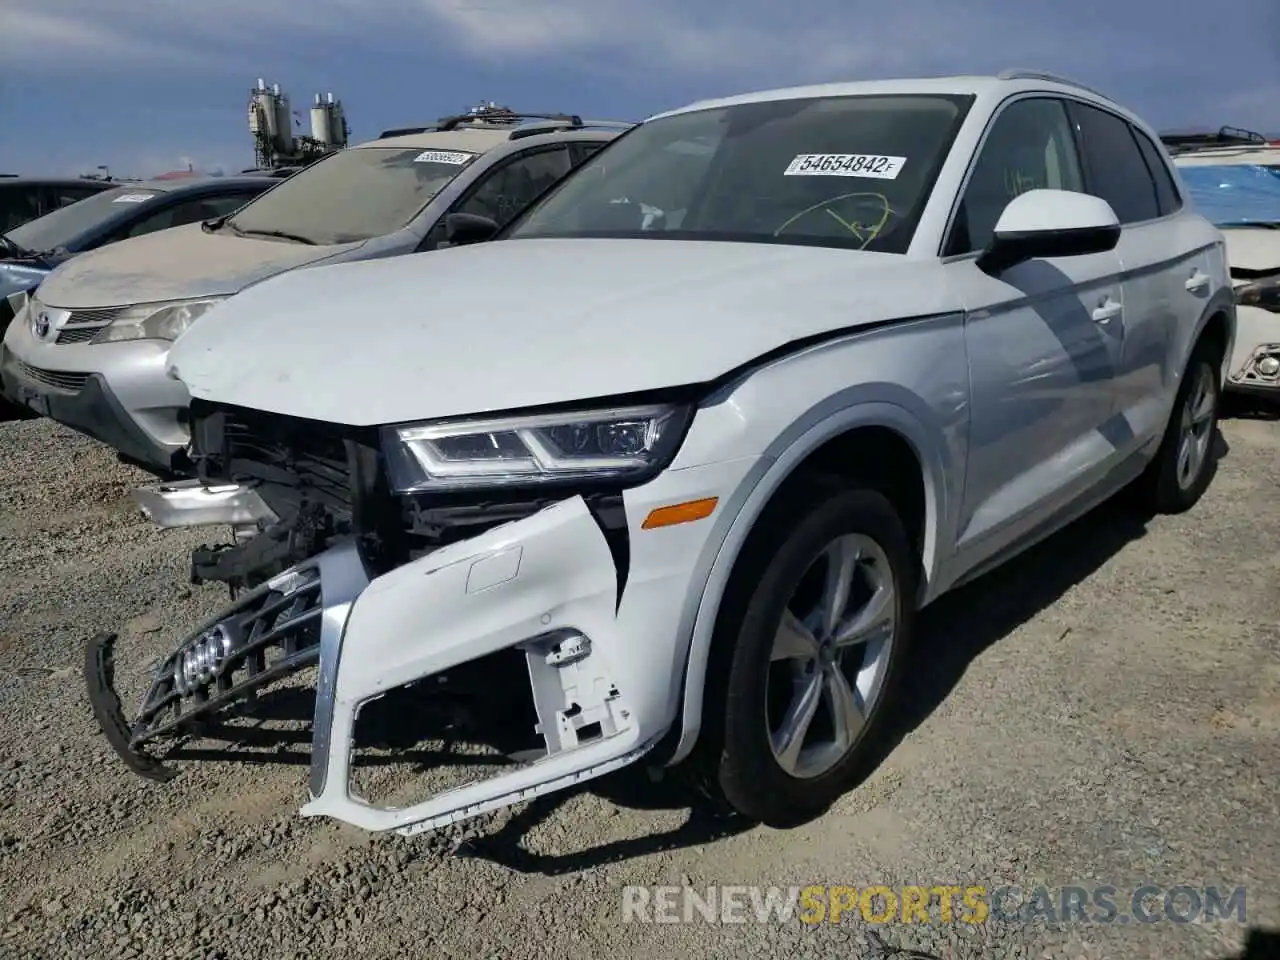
(834,416)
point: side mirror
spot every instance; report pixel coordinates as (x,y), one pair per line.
(1042,224)
(464,228)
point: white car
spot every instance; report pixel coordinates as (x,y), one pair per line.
(664,473)
(1234,180)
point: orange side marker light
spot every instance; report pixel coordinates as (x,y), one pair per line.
(680,513)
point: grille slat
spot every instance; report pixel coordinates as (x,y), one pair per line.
(78,334)
(99,315)
(59,380)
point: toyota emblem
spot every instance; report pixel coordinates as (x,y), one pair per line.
(40,324)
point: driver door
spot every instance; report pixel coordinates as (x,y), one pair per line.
(1043,340)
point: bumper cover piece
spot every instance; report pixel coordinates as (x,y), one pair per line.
(191,503)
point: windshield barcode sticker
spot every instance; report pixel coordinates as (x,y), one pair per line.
(133,197)
(845,165)
(442,156)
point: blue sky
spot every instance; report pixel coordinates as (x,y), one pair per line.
(144,85)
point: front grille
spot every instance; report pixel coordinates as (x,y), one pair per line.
(266,635)
(78,334)
(96,315)
(71,382)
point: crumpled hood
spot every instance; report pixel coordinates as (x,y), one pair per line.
(519,323)
(175,264)
(1253,248)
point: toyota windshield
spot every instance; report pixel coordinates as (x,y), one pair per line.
(851,171)
(353,195)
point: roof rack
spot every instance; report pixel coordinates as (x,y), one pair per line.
(1016,74)
(492,115)
(1224,137)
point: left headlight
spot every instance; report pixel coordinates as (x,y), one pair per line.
(1263,293)
(156,321)
(619,444)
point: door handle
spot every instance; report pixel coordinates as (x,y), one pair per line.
(1197,282)
(1107,311)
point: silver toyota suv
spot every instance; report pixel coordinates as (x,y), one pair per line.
(90,350)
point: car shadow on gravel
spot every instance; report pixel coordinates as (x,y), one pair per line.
(277,732)
(1247,407)
(1259,944)
(956,629)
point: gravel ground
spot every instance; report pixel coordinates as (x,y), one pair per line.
(1105,713)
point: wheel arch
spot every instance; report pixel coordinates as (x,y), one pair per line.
(810,443)
(1218,322)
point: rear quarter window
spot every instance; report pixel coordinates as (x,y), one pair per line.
(1167,196)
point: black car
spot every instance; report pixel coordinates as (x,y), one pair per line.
(25,198)
(29,252)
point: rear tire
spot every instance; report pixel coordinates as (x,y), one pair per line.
(1183,467)
(836,659)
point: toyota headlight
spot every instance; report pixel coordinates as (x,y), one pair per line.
(156,321)
(621,444)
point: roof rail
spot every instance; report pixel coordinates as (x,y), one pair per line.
(1224,137)
(491,115)
(404,131)
(573,123)
(1016,74)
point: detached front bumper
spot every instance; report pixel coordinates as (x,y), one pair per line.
(597,623)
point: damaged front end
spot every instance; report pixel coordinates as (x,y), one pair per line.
(515,597)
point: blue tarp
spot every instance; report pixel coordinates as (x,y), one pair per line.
(1231,194)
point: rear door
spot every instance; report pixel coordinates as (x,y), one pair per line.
(1164,256)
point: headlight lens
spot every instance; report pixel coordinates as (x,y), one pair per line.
(1261,293)
(628,443)
(156,321)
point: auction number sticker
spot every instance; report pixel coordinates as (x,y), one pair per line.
(443,156)
(845,165)
(133,198)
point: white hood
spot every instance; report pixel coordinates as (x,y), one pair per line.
(1253,248)
(520,323)
(176,264)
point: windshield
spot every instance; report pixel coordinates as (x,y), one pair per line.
(1235,194)
(63,226)
(832,171)
(354,195)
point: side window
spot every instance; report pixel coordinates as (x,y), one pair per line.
(60,196)
(1029,147)
(580,150)
(212,207)
(1117,172)
(508,189)
(1166,191)
(157,220)
(17,206)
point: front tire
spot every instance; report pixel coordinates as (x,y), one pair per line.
(809,646)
